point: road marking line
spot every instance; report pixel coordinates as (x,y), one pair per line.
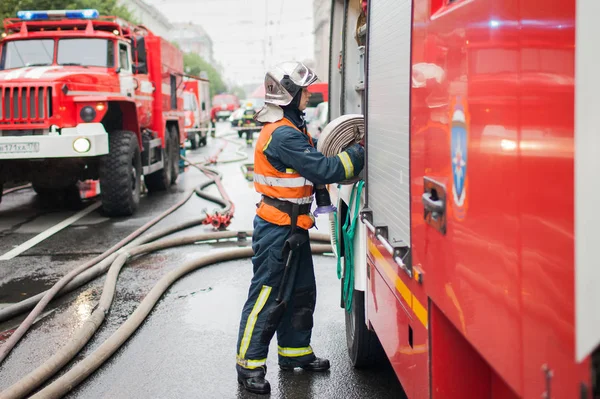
(49,232)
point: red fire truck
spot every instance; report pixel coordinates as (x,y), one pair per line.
(472,263)
(88,97)
(196,104)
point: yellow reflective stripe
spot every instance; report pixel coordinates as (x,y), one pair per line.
(348,167)
(389,271)
(260,303)
(290,171)
(294,352)
(251,364)
(268,142)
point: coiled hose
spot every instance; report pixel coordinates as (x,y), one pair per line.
(338,135)
(341,133)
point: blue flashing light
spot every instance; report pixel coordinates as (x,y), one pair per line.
(47,14)
(83,14)
(30,15)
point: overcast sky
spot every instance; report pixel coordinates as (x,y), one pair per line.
(238,31)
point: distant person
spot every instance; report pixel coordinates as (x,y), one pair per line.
(287,166)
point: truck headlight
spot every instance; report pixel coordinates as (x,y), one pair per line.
(87,114)
(82,145)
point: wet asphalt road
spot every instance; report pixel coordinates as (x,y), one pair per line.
(186,347)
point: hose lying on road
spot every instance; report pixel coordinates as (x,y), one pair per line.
(340,134)
(88,365)
(100,268)
(239,150)
(118,256)
(14,189)
(61,284)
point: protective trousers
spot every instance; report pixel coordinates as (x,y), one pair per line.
(295,328)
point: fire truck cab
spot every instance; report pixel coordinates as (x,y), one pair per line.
(196,103)
(84,97)
(471,265)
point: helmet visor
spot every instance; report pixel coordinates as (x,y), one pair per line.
(299,74)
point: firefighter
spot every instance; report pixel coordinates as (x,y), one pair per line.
(282,293)
(247,120)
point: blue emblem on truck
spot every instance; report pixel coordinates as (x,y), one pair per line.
(459,157)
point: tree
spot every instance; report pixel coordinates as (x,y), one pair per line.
(194,64)
(9,8)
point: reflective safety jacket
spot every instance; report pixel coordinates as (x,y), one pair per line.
(287,185)
(287,164)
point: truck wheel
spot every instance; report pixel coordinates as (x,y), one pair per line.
(364,348)
(195,141)
(203,141)
(120,173)
(174,154)
(161,179)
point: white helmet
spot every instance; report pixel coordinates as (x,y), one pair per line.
(284,81)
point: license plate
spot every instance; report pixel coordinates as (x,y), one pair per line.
(16,148)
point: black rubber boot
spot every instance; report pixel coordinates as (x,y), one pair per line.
(254,380)
(316,365)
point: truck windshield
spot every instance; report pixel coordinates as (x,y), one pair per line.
(86,52)
(24,53)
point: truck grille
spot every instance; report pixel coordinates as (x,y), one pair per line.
(25,105)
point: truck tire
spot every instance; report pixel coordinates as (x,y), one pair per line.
(195,141)
(120,173)
(161,179)
(364,347)
(203,141)
(174,154)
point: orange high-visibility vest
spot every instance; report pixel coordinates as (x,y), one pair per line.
(286,186)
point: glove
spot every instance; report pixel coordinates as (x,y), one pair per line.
(357,155)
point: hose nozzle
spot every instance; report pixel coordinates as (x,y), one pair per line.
(324,205)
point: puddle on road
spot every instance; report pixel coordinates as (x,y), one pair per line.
(19,289)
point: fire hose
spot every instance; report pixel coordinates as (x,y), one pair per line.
(14,189)
(338,135)
(239,151)
(98,266)
(93,361)
(100,262)
(341,133)
(118,256)
(335,138)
